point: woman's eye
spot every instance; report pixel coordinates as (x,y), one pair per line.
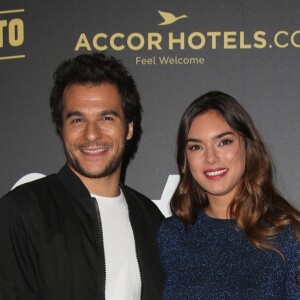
(226,142)
(194,147)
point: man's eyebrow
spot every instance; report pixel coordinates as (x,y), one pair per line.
(100,114)
(73,114)
(218,136)
(108,112)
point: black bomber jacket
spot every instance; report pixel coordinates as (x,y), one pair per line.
(51,245)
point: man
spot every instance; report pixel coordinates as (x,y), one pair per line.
(80,234)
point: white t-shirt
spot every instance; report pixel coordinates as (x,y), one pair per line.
(123,281)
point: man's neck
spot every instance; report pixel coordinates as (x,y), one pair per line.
(108,186)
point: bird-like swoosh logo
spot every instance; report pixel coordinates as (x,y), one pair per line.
(169,18)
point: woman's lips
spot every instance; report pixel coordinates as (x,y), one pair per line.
(214,174)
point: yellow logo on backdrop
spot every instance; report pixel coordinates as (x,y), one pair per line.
(169,18)
(11,32)
(195,40)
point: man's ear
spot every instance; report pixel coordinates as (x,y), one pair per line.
(130,131)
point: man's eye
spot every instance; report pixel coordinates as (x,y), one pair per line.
(107,118)
(76,121)
(226,142)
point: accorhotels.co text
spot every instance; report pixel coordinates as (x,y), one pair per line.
(182,40)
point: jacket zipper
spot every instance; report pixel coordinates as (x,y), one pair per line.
(136,253)
(100,246)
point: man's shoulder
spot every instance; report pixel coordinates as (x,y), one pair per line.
(134,193)
(22,204)
(33,188)
(138,200)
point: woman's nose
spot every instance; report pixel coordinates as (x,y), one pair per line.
(211,155)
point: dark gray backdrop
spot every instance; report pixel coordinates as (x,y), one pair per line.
(264,78)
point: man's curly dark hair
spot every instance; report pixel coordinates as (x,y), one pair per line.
(95,69)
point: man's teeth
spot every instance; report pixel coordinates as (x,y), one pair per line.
(215,173)
(93,151)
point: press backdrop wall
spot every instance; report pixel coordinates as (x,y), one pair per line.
(249,49)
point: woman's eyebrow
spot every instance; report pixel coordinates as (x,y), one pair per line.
(217,136)
(220,135)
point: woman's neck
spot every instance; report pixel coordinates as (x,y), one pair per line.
(217,211)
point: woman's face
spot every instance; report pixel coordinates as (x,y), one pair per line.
(216,156)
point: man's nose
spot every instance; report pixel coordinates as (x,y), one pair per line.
(93,131)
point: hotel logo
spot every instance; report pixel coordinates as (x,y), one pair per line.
(194,39)
(169,18)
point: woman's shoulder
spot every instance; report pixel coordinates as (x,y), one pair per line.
(290,231)
(171,223)
(170,226)
(287,240)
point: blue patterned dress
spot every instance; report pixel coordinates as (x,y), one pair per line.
(213,260)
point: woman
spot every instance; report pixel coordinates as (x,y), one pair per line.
(231,236)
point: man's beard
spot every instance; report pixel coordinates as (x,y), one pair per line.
(110,168)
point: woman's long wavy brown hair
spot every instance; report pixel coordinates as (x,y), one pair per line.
(259,210)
